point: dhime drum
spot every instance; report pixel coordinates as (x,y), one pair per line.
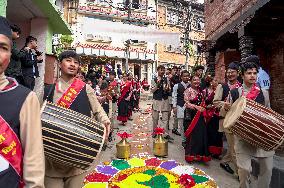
(70,138)
(256,124)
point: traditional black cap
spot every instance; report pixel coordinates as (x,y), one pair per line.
(234,65)
(198,67)
(5,28)
(252,59)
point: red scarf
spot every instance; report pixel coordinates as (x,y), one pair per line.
(12,83)
(236,85)
(209,113)
(125,87)
(71,93)
(253,93)
(196,117)
(11,148)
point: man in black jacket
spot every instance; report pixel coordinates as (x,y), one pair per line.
(14,69)
(29,62)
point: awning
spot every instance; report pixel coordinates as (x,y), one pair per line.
(57,22)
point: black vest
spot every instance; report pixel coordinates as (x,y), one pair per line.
(259,99)
(226,90)
(180,94)
(81,104)
(11,105)
(160,94)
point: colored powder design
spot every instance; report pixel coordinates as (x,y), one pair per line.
(97,177)
(107,170)
(120,164)
(157,182)
(150,172)
(153,162)
(136,162)
(96,185)
(168,165)
(199,179)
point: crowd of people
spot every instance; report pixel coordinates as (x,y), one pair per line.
(199,105)
(117,93)
(22,159)
(23,66)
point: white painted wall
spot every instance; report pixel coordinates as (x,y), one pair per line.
(39,29)
(116,42)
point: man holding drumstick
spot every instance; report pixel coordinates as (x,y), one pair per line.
(221,95)
(245,152)
(72,93)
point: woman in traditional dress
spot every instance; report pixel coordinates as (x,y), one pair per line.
(132,98)
(196,148)
(211,115)
(124,99)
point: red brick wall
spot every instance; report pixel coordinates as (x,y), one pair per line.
(223,59)
(220,13)
(220,67)
(50,69)
(276,71)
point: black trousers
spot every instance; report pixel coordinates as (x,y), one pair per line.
(29,82)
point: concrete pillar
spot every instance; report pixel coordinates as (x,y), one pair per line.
(3,7)
(39,29)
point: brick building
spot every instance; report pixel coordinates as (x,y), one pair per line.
(173,17)
(235,29)
(101,49)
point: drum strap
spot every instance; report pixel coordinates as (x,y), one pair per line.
(253,93)
(11,148)
(71,93)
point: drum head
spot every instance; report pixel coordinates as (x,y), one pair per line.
(234,113)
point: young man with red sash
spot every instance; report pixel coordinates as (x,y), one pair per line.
(74,94)
(124,100)
(245,152)
(221,95)
(21,147)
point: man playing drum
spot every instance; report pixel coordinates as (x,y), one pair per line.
(70,92)
(220,97)
(21,148)
(245,151)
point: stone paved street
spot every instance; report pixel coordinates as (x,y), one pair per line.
(176,151)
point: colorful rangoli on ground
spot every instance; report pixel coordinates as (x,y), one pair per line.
(147,173)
